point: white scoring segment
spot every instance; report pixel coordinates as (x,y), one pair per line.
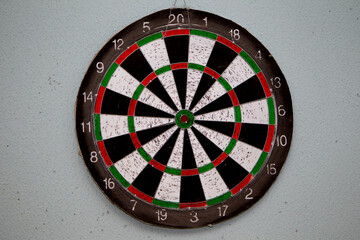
(168,81)
(193,80)
(169,188)
(200,49)
(154,145)
(142,123)
(255,112)
(217,138)
(212,183)
(200,155)
(151,99)
(131,166)
(156,54)
(175,160)
(113,125)
(237,72)
(122,82)
(215,91)
(245,155)
(223,115)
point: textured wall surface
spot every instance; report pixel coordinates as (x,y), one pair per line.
(46,191)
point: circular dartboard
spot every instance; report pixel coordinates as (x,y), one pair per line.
(184,119)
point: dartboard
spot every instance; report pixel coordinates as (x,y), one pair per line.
(184,119)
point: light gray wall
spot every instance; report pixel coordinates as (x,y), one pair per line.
(46,191)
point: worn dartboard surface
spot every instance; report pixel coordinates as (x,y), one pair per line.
(184,119)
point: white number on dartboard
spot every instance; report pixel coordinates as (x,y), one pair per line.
(248,196)
(205,20)
(134,204)
(161,215)
(194,218)
(281,110)
(281,141)
(118,43)
(109,184)
(146,26)
(222,210)
(93,157)
(179,18)
(270,168)
(276,82)
(235,34)
(99,67)
(86,127)
(88,97)
(258,55)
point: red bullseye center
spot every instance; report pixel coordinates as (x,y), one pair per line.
(184,119)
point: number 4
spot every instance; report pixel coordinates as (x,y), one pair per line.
(258,55)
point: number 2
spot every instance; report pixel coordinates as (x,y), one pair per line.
(248,196)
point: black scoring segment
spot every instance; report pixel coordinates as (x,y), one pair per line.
(148,180)
(254,134)
(145,110)
(231,172)
(177,48)
(158,89)
(147,135)
(221,57)
(250,90)
(205,83)
(226,128)
(115,103)
(119,147)
(180,77)
(188,159)
(210,148)
(163,155)
(220,103)
(191,189)
(137,65)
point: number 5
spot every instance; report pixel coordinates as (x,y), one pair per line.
(146,26)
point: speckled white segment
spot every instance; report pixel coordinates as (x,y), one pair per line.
(142,123)
(215,91)
(122,82)
(255,112)
(131,166)
(169,188)
(193,79)
(213,184)
(156,54)
(245,155)
(153,146)
(223,115)
(217,138)
(200,155)
(113,125)
(168,81)
(237,72)
(175,160)
(200,49)
(151,99)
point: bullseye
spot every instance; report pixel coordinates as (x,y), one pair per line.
(184,119)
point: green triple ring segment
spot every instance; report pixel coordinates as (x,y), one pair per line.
(184,119)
